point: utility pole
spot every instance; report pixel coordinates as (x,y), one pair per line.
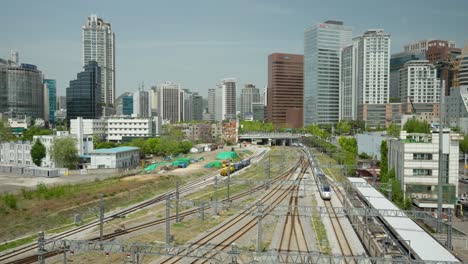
(215,195)
(168,220)
(229,181)
(101,218)
(177,202)
(259,233)
(441,155)
(449,230)
(202,211)
(40,248)
(267,173)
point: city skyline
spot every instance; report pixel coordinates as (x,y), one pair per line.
(161,50)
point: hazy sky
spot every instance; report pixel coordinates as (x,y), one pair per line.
(198,42)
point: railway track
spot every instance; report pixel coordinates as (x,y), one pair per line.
(33,258)
(184,189)
(274,197)
(293,236)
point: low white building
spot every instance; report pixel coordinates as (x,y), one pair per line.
(112,158)
(415,158)
(18,153)
(96,127)
(84,145)
(118,128)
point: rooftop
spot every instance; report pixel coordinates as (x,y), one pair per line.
(114,150)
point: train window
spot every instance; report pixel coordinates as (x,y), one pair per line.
(326,188)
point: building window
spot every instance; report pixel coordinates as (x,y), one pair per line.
(422,172)
(422,156)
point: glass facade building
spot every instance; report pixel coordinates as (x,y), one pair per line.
(21,90)
(99,46)
(52,85)
(322,47)
(127,102)
(84,94)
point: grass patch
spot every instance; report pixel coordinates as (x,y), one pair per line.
(325,160)
(319,228)
(16,243)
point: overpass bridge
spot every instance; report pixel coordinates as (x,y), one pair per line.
(272,138)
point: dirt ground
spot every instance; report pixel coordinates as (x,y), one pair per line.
(12,183)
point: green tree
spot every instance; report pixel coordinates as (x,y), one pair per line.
(464,145)
(317,131)
(348,144)
(105,144)
(415,126)
(5,131)
(64,152)
(38,152)
(383,161)
(393,130)
(343,127)
(364,155)
(28,134)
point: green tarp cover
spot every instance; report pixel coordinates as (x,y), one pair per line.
(227,155)
(216,164)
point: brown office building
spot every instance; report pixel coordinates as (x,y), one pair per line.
(438,51)
(285,89)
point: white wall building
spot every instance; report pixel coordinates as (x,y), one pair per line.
(114,158)
(117,128)
(249,95)
(418,82)
(415,159)
(96,127)
(18,153)
(99,45)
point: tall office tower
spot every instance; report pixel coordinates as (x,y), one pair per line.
(99,45)
(154,100)
(443,55)
(210,113)
(397,61)
(285,88)
(21,89)
(141,104)
(171,102)
(225,100)
(249,95)
(419,82)
(348,97)
(197,102)
(84,94)
(188,104)
(322,48)
(52,88)
(373,67)
(124,104)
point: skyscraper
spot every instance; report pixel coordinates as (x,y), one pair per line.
(348,97)
(397,61)
(171,102)
(462,76)
(52,87)
(84,94)
(197,113)
(322,47)
(285,87)
(124,104)
(21,89)
(188,105)
(225,100)
(249,95)
(99,45)
(141,103)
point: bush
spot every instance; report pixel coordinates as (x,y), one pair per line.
(27,194)
(10,201)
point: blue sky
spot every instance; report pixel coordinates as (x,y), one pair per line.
(197,43)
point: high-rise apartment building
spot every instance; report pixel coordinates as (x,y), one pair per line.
(463,67)
(322,47)
(365,73)
(285,87)
(52,91)
(225,100)
(84,94)
(249,95)
(210,113)
(188,105)
(197,103)
(171,102)
(99,45)
(61,102)
(397,61)
(419,82)
(21,89)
